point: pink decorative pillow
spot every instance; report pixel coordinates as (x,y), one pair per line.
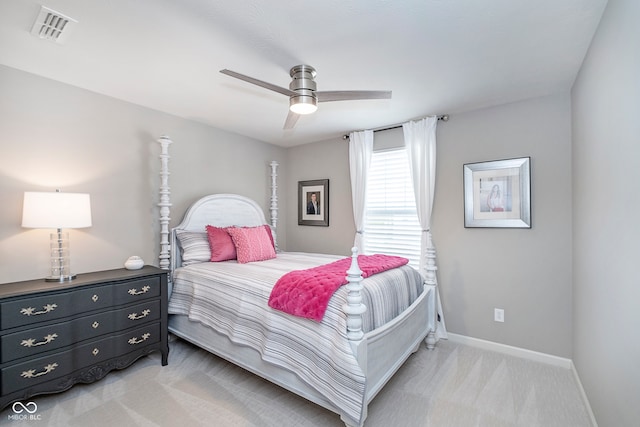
(220,243)
(267,228)
(252,243)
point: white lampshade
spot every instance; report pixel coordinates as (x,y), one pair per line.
(56,210)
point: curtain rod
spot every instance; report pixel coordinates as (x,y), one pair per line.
(443,117)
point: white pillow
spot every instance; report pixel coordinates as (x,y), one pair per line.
(195,246)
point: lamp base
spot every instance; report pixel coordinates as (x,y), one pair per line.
(60,264)
(60,279)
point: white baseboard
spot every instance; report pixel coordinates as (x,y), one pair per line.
(513,351)
(530,355)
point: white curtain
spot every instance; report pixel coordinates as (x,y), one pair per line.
(420,142)
(360,152)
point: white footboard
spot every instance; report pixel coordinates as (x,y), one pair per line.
(389,346)
(381,352)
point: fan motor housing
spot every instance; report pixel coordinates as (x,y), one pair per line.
(303,79)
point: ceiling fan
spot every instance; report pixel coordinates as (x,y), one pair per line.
(303,97)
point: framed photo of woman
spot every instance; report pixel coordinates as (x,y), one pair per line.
(313,202)
(498,193)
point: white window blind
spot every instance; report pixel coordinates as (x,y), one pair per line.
(391,221)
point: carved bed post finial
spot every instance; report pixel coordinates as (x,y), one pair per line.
(165,202)
(354,308)
(274,202)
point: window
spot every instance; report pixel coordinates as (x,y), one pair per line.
(391,222)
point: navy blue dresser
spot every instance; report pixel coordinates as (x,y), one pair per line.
(54,335)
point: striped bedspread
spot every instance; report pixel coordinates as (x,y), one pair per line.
(232,299)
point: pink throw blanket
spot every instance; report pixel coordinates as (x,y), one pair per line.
(306,293)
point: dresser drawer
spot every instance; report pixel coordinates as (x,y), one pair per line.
(38,340)
(42,369)
(28,311)
(136,290)
(138,338)
(39,370)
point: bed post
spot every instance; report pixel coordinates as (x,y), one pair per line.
(430,280)
(274,202)
(354,308)
(165,203)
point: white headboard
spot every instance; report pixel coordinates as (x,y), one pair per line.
(222,210)
(219,210)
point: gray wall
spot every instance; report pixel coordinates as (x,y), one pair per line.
(606,180)
(525,272)
(321,160)
(58,136)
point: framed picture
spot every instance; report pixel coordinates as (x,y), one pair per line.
(313,202)
(498,193)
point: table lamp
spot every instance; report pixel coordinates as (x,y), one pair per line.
(57,210)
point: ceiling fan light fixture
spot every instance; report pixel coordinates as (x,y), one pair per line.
(303,97)
(303,104)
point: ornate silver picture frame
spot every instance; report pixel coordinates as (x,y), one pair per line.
(498,193)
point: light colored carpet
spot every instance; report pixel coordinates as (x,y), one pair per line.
(454,385)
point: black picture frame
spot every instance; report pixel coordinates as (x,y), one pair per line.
(313,202)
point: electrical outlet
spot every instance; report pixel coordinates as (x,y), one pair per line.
(498,315)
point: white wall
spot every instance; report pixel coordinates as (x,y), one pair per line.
(58,136)
(606,180)
(525,272)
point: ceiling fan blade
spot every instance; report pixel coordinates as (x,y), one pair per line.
(348,95)
(257,82)
(292,119)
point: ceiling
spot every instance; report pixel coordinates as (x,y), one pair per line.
(437,56)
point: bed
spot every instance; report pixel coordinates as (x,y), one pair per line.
(340,362)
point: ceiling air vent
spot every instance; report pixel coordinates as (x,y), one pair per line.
(52,25)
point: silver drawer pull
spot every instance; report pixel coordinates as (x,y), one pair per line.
(95,325)
(31,342)
(144,290)
(135,340)
(135,316)
(95,352)
(95,298)
(48,308)
(31,373)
